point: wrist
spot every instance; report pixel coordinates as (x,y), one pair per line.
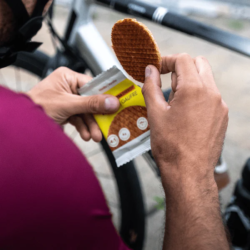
(195,178)
(30,95)
(190,195)
(34,97)
(36,100)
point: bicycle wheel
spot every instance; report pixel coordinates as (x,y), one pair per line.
(132,213)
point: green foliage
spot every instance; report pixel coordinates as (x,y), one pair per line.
(160,203)
(95,16)
(236,25)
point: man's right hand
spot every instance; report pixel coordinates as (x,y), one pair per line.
(187,133)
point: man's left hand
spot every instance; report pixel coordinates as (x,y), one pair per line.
(58,96)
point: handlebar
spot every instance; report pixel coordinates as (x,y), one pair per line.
(181,23)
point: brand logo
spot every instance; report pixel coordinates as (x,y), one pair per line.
(127,98)
(107,85)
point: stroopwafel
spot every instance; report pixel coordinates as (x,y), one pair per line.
(135,47)
(130,123)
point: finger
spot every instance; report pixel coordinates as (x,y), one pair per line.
(205,72)
(96,104)
(80,126)
(171,97)
(173,87)
(82,79)
(152,88)
(94,129)
(174,81)
(184,67)
(181,62)
(73,79)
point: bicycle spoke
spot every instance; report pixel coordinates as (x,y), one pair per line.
(18,79)
(73,134)
(151,163)
(106,176)
(94,152)
(113,204)
(2,79)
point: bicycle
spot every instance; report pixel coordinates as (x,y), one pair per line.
(83,52)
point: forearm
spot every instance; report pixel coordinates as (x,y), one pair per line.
(193,219)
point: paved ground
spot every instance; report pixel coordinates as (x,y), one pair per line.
(232,74)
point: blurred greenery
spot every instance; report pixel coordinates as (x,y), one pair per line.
(160,203)
(235,24)
(95,15)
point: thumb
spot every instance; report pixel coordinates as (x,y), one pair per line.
(152,87)
(96,104)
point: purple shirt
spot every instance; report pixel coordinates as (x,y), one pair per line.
(49,195)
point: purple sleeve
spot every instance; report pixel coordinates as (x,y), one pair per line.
(49,195)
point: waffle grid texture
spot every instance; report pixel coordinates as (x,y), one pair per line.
(127,118)
(135,47)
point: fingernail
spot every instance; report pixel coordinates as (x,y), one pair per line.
(110,103)
(147,71)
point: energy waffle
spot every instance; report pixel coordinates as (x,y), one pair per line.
(128,119)
(135,47)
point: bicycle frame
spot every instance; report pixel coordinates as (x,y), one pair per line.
(181,23)
(83,35)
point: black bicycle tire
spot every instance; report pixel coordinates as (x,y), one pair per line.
(129,188)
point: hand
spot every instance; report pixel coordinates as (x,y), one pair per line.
(187,133)
(58,96)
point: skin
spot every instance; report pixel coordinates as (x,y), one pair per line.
(187,135)
(60,100)
(8,26)
(7,23)
(57,94)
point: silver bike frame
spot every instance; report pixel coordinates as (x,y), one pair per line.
(86,38)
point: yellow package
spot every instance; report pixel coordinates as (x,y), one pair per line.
(126,131)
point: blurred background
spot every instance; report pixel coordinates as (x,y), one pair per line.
(211,8)
(231,72)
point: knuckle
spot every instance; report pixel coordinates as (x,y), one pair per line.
(65,71)
(225,107)
(93,104)
(196,91)
(184,56)
(204,59)
(62,69)
(217,97)
(201,58)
